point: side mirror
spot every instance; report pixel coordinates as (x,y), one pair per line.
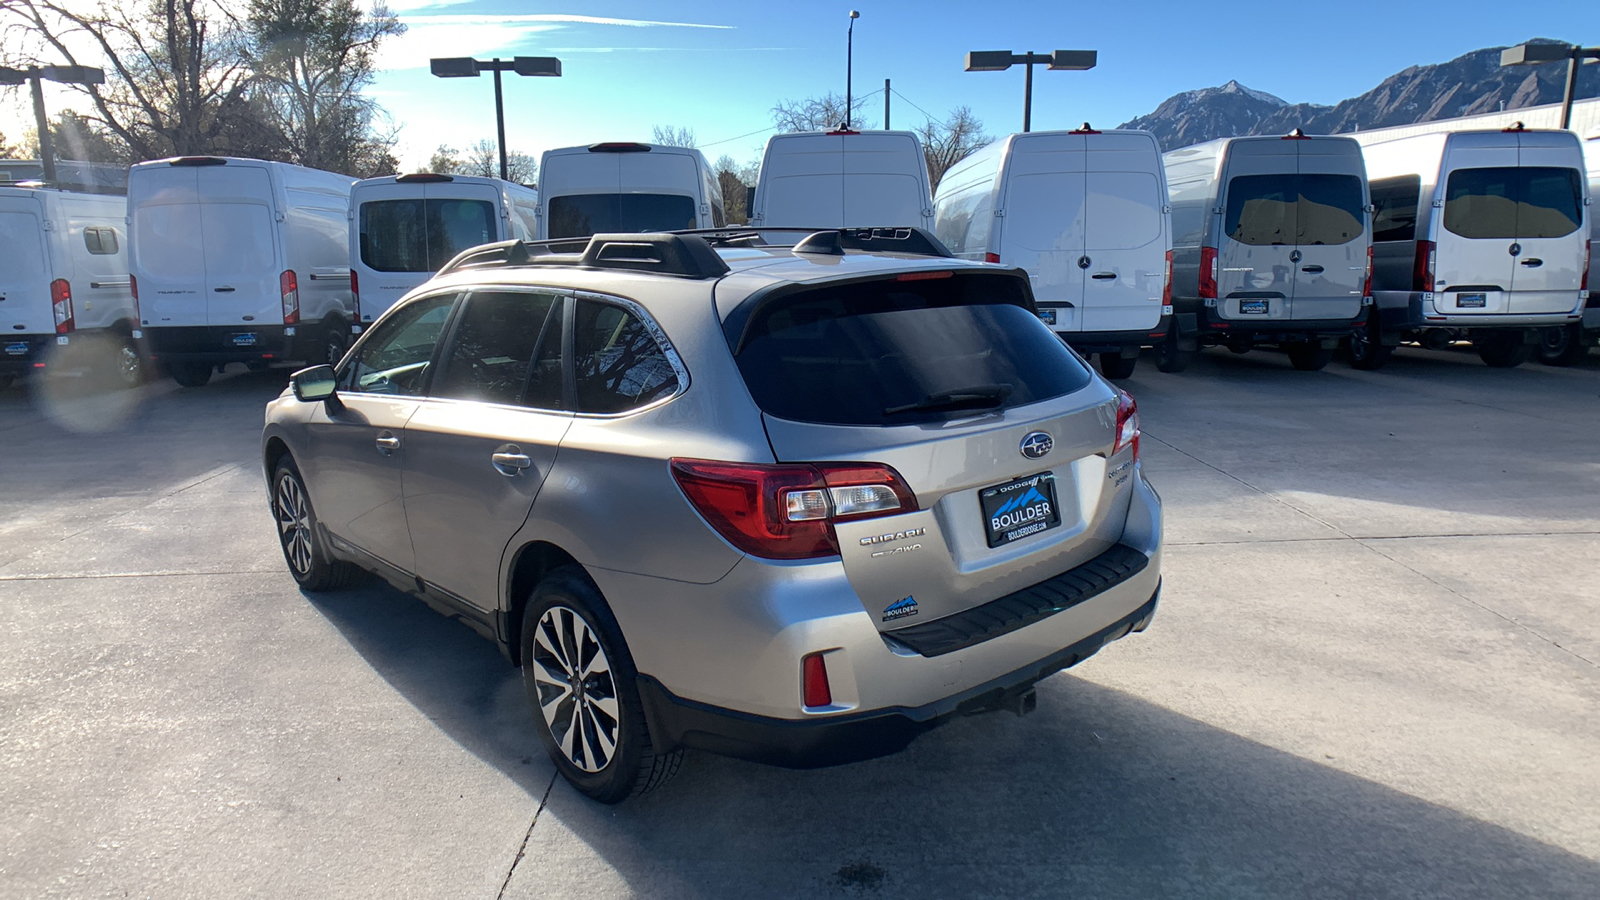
(313,384)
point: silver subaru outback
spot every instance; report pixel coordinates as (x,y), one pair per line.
(791,501)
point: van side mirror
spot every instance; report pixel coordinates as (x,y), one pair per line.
(313,384)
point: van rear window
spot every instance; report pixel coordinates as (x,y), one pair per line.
(1513,202)
(1289,208)
(21,253)
(417,235)
(580,215)
(887,352)
(1395,201)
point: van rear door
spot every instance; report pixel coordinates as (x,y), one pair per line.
(1550,214)
(239,238)
(407,232)
(24,274)
(1477,232)
(1330,257)
(1042,229)
(168,254)
(1254,273)
(1125,233)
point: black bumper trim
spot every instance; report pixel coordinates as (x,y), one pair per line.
(852,737)
(18,363)
(1020,609)
(214,343)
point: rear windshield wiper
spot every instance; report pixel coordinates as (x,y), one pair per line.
(979,396)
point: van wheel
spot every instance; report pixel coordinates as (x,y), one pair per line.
(336,340)
(190,374)
(581,681)
(1367,351)
(128,364)
(1309,357)
(1562,346)
(309,561)
(1169,358)
(1502,349)
(1115,365)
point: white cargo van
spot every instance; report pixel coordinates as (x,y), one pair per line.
(623,186)
(842,179)
(1566,345)
(404,228)
(239,260)
(64,274)
(1479,236)
(1271,245)
(1085,213)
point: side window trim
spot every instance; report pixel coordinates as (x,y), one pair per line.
(569,351)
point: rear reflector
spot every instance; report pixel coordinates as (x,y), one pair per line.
(422,178)
(199,161)
(814,681)
(619,147)
(61,305)
(290,288)
(923,276)
(991,257)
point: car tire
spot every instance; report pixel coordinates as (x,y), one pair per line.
(1169,358)
(1562,346)
(190,374)
(1366,349)
(1309,357)
(1117,366)
(302,542)
(1502,350)
(573,648)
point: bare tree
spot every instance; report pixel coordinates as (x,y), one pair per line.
(483,158)
(949,142)
(823,113)
(735,181)
(668,136)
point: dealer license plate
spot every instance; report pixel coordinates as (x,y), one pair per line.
(1253,307)
(247,339)
(19,349)
(1020,508)
(1471,301)
(1047,316)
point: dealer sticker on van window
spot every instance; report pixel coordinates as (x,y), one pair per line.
(1047,316)
(247,339)
(1253,307)
(1471,301)
(1019,508)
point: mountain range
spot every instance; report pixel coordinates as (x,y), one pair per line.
(1467,85)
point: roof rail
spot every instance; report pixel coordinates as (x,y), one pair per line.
(832,241)
(664,254)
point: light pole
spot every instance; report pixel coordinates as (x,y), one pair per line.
(849,63)
(62,74)
(1000,60)
(1538,54)
(467,67)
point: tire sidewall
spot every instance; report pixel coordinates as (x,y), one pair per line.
(286,469)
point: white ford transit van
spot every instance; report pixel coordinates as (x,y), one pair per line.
(1085,213)
(1478,236)
(843,179)
(404,228)
(623,187)
(1270,245)
(64,273)
(239,260)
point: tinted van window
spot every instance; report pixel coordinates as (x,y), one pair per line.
(1266,210)
(492,349)
(876,353)
(1513,202)
(580,215)
(417,235)
(617,364)
(1395,200)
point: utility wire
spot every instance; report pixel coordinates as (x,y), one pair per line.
(913,104)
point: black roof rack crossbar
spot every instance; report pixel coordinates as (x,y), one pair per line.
(664,254)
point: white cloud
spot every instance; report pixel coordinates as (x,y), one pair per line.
(428,36)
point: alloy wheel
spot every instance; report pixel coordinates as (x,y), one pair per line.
(294,524)
(577,695)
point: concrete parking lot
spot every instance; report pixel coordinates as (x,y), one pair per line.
(1375,673)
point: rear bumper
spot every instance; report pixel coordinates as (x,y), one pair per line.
(1114,341)
(1413,310)
(1213,329)
(831,741)
(246,342)
(23,353)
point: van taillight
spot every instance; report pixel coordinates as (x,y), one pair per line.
(355,293)
(788,511)
(1208,273)
(1422,267)
(290,288)
(991,257)
(1588,260)
(1127,425)
(61,305)
(1366,286)
(1166,289)
(133,285)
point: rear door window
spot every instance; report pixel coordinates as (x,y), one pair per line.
(1513,202)
(874,353)
(21,252)
(1123,210)
(238,239)
(421,235)
(492,348)
(580,215)
(1395,201)
(169,245)
(1289,208)
(619,364)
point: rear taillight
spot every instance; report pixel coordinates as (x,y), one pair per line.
(1366,286)
(290,288)
(133,285)
(815,690)
(991,257)
(1422,267)
(1588,260)
(1127,425)
(1208,273)
(61,305)
(355,294)
(1166,289)
(788,511)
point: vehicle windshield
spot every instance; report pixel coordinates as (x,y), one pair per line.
(580,215)
(1290,208)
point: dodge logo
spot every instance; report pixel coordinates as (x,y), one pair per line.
(1037,444)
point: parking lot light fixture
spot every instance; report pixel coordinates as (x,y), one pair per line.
(1539,54)
(32,75)
(849,61)
(467,67)
(1000,60)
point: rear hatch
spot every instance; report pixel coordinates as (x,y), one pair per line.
(621,187)
(24,272)
(1000,433)
(408,230)
(839,180)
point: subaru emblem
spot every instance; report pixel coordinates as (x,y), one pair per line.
(1037,444)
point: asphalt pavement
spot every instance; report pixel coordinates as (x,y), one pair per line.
(1375,672)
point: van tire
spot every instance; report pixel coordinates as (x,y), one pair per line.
(335,341)
(1169,358)
(1309,356)
(1562,346)
(300,537)
(1117,366)
(190,374)
(127,363)
(635,766)
(1367,351)
(1502,349)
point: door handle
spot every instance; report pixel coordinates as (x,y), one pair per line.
(1311,269)
(510,462)
(1103,276)
(387,443)
(223,290)
(1533,262)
